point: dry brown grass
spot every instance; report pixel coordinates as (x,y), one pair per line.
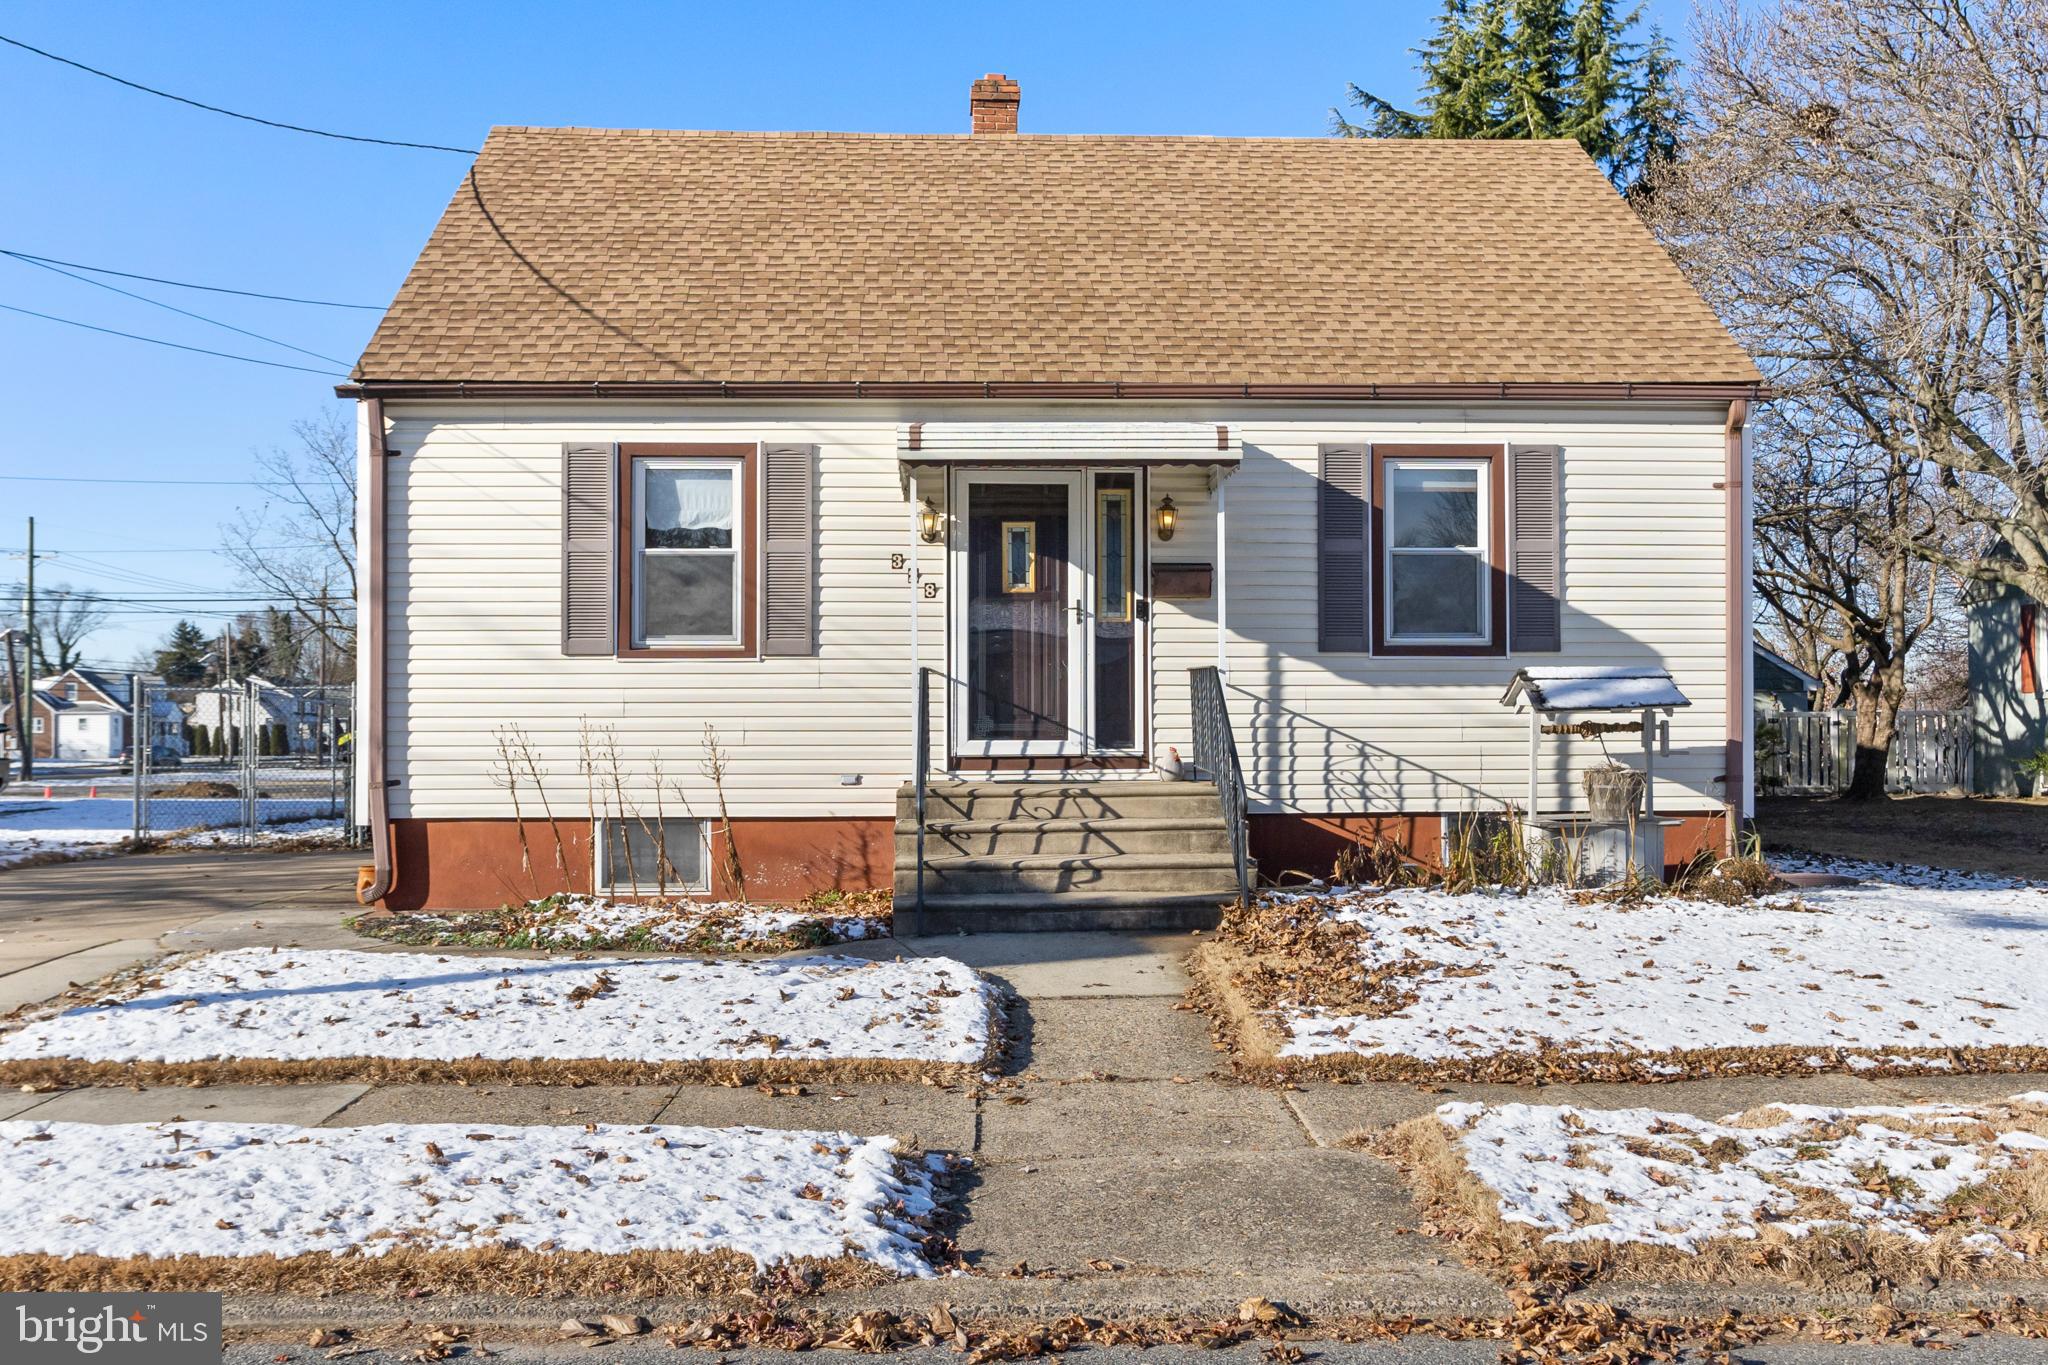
(492,1270)
(67,1071)
(1458,1207)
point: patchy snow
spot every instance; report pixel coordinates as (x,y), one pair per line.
(62,825)
(99,824)
(589,920)
(289,1004)
(318,830)
(1649,1177)
(569,921)
(1874,968)
(1915,875)
(235,1189)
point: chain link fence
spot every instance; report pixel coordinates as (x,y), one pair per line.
(243,762)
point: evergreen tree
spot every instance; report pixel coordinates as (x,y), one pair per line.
(182,660)
(286,652)
(1539,69)
(252,651)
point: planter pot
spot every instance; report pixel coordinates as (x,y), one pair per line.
(1614,794)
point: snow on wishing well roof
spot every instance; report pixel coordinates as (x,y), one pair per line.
(1593,689)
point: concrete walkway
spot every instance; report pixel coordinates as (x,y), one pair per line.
(74,922)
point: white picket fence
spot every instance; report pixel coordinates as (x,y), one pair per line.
(1816,752)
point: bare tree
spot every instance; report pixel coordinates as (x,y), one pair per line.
(299,547)
(65,617)
(1861,200)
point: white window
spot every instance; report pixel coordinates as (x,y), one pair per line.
(37,726)
(653,857)
(1433,566)
(686,561)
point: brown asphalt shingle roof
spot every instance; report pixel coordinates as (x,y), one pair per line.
(575,254)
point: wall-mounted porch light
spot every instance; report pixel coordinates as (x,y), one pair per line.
(927,522)
(1165,518)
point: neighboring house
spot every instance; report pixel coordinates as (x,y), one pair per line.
(677,432)
(1781,685)
(77,714)
(2008,686)
(298,713)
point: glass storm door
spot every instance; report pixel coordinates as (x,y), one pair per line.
(1020,630)
(1047,634)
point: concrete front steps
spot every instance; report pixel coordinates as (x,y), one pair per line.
(1060,855)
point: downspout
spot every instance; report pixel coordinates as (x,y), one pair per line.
(1735,785)
(370,616)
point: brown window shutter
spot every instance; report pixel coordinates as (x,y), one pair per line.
(590,566)
(788,552)
(1536,567)
(1340,548)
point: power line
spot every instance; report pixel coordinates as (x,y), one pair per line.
(174,345)
(216,109)
(180,483)
(185,284)
(173,308)
(164,550)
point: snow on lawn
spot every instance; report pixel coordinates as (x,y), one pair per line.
(69,826)
(237,1190)
(290,1005)
(569,921)
(73,826)
(1916,875)
(321,829)
(1651,1178)
(1859,976)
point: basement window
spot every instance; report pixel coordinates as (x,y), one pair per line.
(669,857)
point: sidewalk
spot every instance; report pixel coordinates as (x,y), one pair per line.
(74,922)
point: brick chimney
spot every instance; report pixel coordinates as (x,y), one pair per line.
(993,100)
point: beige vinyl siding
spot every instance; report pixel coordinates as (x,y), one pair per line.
(1643,539)
(474,538)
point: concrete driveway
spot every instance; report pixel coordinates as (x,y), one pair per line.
(72,922)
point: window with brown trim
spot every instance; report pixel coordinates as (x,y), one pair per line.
(688,550)
(1438,550)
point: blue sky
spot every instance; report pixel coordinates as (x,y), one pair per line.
(105,176)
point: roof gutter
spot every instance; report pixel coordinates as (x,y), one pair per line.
(372,616)
(1649,392)
(1735,786)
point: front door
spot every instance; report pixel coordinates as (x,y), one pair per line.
(1046,634)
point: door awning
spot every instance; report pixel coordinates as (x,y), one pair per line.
(1068,443)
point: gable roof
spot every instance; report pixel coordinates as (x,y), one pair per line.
(575,255)
(113,691)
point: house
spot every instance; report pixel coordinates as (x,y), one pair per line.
(1780,684)
(80,713)
(2008,695)
(300,719)
(1036,468)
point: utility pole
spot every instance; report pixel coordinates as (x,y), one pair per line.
(24,689)
(28,601)
(18,717)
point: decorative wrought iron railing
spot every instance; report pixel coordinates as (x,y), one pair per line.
(920,782)
(1216,762)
